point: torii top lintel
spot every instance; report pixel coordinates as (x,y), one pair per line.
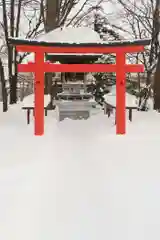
(126,46)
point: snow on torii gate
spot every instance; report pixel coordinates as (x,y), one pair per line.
(39,67)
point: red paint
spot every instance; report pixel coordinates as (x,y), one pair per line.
(50,67)
(101,49)
(39,67)
(39,93)
(120,94)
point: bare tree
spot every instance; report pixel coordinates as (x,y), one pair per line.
(12,14)
(66,12)
(157,86)
(141,20)
(156,44)
(154,58)
(3,88)
(138,20)
(50,22)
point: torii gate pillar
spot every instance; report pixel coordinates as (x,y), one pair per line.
(39,94)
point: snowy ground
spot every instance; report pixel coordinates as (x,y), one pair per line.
(79,181)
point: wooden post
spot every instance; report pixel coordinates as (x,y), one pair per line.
(28,116)
(46,112)
(120,93)
(39,93)
(130,114)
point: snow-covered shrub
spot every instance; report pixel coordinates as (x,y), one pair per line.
(103,79)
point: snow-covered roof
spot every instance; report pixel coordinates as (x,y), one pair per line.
(71,35)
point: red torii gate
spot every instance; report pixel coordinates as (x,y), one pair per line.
(39,67)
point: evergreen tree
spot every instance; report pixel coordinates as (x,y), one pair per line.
(103,79)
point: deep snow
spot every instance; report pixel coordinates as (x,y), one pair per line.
(79,181)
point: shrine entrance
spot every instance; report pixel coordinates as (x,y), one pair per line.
(39,67)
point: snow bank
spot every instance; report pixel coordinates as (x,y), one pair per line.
(29,101)
(130,100)
(79,181)
(110,98)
